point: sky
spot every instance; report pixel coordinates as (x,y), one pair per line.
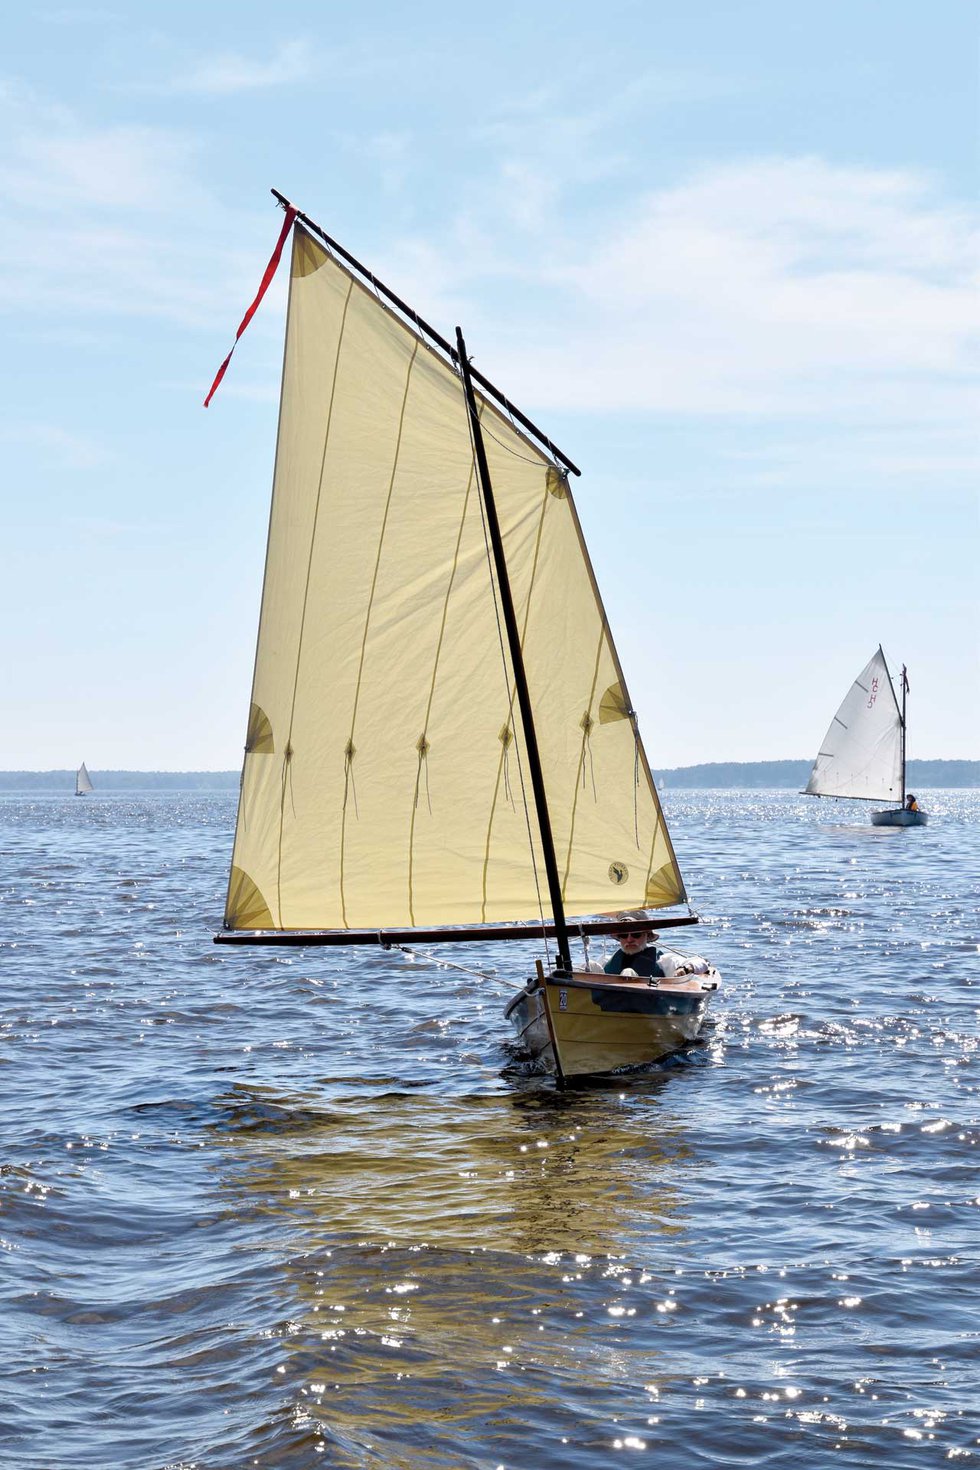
(724,254)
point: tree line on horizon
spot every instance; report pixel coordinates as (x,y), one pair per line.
(724,775)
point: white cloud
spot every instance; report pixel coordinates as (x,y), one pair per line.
(789,288)
(777,286)
(231,72)
(53,447)
(99,224)
(63,166)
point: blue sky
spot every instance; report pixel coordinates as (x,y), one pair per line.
(725,254)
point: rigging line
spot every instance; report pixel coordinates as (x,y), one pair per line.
(508,449)
(434,959)
(511,692)
(585,944)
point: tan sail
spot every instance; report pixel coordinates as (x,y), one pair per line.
(384,777)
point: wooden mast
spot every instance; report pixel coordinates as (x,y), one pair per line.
(517,660)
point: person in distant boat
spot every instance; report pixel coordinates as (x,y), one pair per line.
(911,805)
(637,952)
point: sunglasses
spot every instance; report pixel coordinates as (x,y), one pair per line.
(641,934)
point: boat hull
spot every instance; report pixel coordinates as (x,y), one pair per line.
(601,1024)
(899,817)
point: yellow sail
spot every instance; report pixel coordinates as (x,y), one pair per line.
(385,782)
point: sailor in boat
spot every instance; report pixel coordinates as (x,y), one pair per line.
(911,805)
(636,956)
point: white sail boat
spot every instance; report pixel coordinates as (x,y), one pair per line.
(862,755)
(441,745)
(83,783)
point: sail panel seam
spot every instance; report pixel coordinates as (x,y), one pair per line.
(288,752)
(369,609)
(432,689)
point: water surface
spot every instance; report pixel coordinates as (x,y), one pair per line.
(298,1209)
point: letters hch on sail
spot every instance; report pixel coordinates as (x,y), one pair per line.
(863,753)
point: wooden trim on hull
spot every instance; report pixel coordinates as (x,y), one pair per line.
(602,1025)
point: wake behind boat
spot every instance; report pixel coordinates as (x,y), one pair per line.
(441,744)
(862,755)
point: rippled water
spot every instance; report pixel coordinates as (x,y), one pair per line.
(308,1208)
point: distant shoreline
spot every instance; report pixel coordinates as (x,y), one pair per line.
(789,775)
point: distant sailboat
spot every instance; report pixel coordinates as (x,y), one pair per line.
(441,745)
(83,783)
(862,755)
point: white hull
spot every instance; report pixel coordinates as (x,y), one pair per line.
(599,1023)
(899,817)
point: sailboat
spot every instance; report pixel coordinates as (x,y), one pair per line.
(83,782)
(863,753)
(441,746)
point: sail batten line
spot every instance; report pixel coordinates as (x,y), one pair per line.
(368,610)
(510,680)
(523,639)
(432,689)
(412,316)
(586,731)
(288,752)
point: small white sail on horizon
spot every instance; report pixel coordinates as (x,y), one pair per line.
(862,754)
(83,782)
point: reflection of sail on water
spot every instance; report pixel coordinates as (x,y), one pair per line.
(438,1270)
(83,784)
(862,754)
(477,1172)
(386,771)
